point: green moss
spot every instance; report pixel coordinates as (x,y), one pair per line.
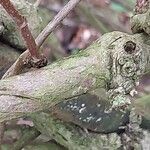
(73,137)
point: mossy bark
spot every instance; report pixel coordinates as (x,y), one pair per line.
(61,80)
(105,64)
(28,136)
(36,146)
(72,137)
(109,63)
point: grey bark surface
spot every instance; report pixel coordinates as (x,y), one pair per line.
(105,64)
(114,63)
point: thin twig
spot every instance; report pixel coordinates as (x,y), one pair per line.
(23,26)
(56,21)
(18,65)
(26,34)
(37,3)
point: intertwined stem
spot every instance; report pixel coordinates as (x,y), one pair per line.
(16,68)
(23,27)
(76,75)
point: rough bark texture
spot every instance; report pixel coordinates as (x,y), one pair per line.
(113,63)
(50,82)
(74,138)
(107,63)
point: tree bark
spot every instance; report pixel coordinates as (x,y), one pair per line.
(73,137)
(108,63)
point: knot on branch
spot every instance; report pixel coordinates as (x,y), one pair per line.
(124,58)
(130,47)
(127,63)
(30,61)
(128,59)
